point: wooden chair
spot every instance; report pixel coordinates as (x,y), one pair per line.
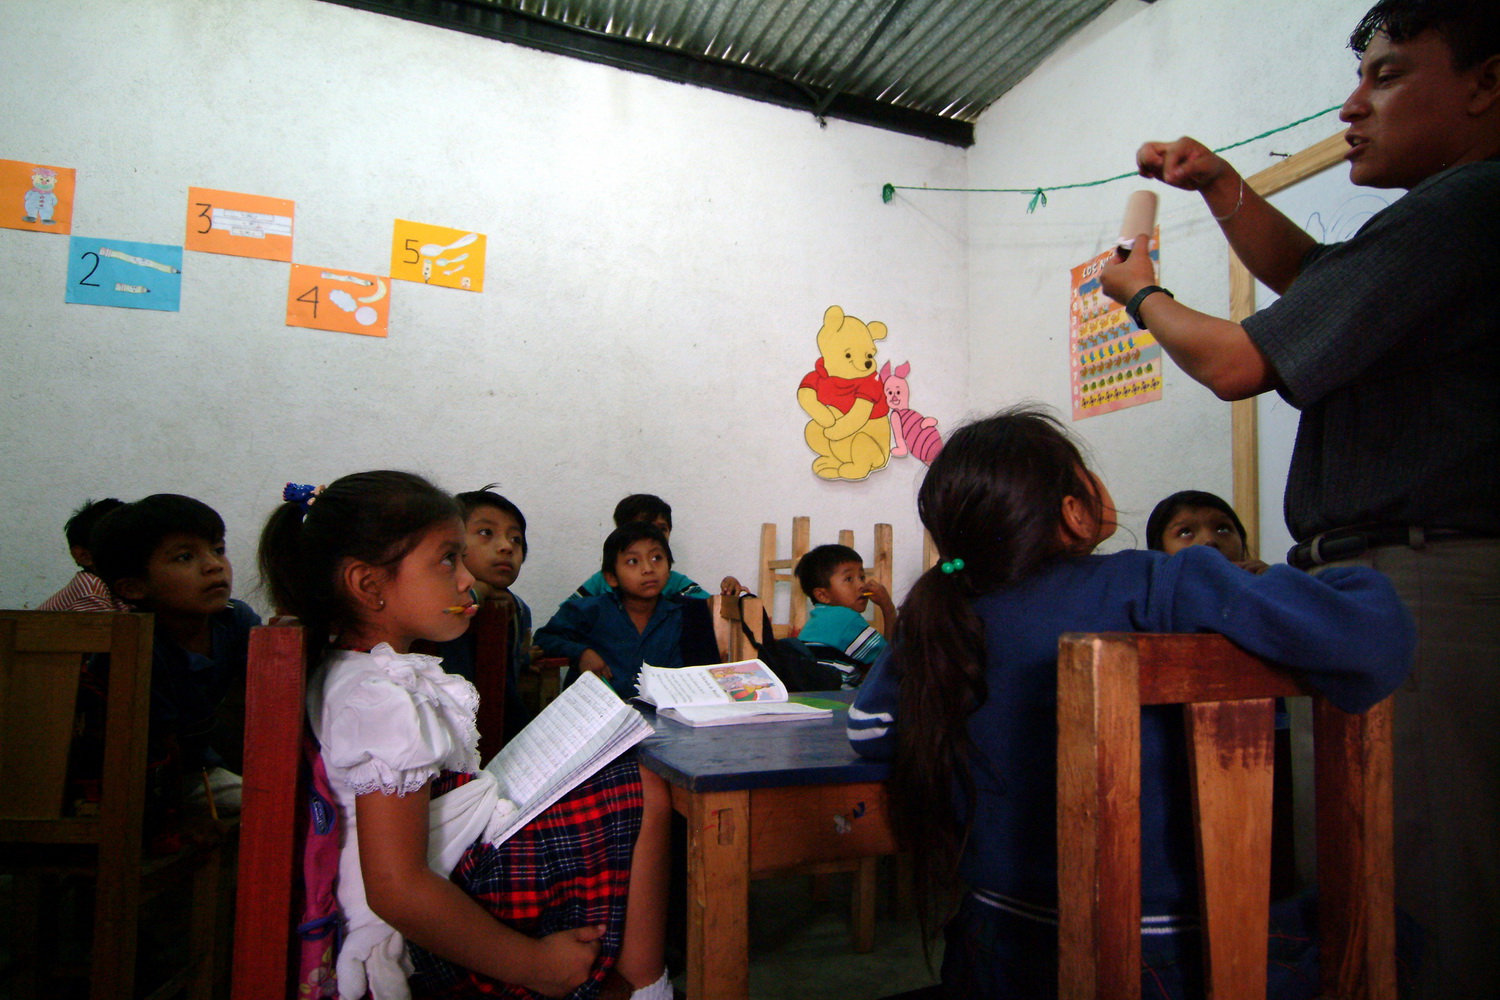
(275,718)
(1227,694)
(734,646)
(41,664)
(774,570)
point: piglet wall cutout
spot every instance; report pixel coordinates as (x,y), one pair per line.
(914,434)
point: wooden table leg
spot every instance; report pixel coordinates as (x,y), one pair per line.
(718,895)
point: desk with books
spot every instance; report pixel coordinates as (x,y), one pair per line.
(760,799)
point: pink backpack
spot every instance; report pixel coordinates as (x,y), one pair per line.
(321,928)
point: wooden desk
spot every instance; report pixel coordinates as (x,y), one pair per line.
(759,799)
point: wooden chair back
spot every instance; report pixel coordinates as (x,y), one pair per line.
(727,611)
(1228,698)
(275,719)
(42,656)
(774,570)
(491,631)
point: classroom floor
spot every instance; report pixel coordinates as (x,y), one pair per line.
(800,947)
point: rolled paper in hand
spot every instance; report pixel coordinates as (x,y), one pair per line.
(1140,216)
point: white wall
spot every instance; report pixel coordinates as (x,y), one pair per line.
(1219,70)
(660,257)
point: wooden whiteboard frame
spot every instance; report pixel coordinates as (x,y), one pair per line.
(1243,427)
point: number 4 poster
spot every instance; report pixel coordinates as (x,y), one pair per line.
(436,255)
(1112,362)
(321,298)
(241,225)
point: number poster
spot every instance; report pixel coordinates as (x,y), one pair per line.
(435,255)
(122,273)
(1112,362)
(321,298)
(241,225)
(36,197)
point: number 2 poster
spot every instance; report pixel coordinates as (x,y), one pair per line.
(122,273)
(342,301)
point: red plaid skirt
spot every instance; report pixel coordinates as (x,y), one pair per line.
(569,867)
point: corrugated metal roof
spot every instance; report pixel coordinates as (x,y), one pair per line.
(942,61)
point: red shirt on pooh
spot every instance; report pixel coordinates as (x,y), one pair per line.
(840,393)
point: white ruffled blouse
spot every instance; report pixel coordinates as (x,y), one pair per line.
(390,722)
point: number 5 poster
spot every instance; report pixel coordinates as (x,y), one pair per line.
(342,301)
(436,255)
(1112,362)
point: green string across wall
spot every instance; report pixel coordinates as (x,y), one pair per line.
(1039,194)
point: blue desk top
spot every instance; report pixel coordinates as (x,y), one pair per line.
(758,755)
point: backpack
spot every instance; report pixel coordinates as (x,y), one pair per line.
(320,929)
(789,659)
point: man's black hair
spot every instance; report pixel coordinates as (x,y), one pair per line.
(815,569)
(486,496)
(124,539)
(642,507)
(627,535)
(81,524)
(1470,27)
(1162,513)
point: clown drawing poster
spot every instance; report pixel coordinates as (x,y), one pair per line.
(1112,363)
(36,197)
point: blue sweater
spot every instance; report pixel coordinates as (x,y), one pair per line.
(602,624)
(1344,631)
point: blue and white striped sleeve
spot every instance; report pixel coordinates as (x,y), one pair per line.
(872,717)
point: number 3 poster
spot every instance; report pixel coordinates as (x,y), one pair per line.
(241,225)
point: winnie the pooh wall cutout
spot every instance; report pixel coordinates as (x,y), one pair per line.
(850,429)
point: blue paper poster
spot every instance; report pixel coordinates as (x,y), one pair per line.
(125,274)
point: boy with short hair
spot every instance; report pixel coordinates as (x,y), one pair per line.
(612,634)
(836,631)
(495,548)
(165,554)
(652,509)
(85,592)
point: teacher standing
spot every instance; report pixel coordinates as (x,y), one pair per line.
(1389,345)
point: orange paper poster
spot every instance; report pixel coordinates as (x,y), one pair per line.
(1112,362)
(342,301)
(241,225)
(36,197)
(436,255)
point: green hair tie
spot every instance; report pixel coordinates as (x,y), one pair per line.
(953,565)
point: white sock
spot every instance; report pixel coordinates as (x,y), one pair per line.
(659,990)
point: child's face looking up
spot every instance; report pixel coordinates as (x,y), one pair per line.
(186,575)
(1191,526)
(846,587)
(496,547)
(427,582)
(640,570)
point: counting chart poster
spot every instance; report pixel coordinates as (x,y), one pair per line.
(437,255)
(1112,363)
(124,274)
(241,225)
(324,298)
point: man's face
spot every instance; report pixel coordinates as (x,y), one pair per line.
(1408,117)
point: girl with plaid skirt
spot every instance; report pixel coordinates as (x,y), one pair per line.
(433,906)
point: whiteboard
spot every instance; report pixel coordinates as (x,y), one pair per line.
(1330,209)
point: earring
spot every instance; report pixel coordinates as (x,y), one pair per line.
(381,605)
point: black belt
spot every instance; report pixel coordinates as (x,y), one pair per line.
(1346,543)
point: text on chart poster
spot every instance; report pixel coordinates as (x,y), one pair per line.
(322,298)
(36,197)
(1112,362)
(241,225)
(124,274)
(437,255)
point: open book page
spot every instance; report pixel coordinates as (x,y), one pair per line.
(586,727)
(730,715)
(718,684)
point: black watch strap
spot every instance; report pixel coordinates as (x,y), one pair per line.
(1133,307)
